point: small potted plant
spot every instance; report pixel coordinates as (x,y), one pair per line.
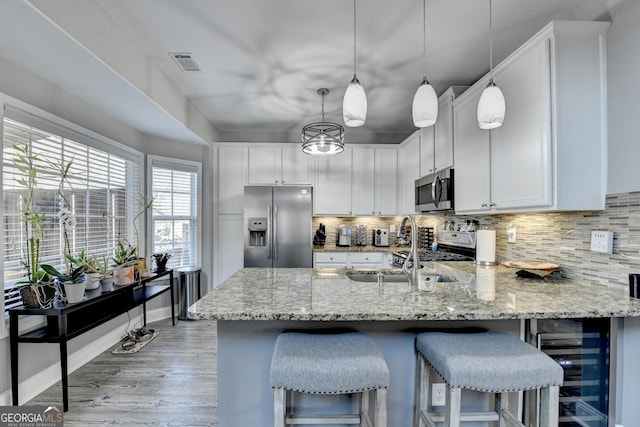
(74,281)
(90,268)
(105,272)
(161,259)
(124,257)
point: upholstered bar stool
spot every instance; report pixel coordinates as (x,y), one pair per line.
(491,362)
(343,363)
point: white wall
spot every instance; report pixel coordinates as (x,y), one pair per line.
(623,70)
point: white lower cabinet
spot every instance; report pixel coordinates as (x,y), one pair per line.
(350,260)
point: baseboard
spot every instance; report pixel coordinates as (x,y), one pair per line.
(39,382)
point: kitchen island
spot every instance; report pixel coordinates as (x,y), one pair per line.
(256,304)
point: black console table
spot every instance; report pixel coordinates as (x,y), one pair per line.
(67,321)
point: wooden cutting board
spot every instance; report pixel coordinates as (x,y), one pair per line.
(537,267)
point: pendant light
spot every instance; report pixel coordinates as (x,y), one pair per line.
(491,107)
(425,101)
(354,104)
(323,138)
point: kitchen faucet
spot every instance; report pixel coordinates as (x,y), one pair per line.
(412,262)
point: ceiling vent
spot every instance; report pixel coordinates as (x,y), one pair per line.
(185,61)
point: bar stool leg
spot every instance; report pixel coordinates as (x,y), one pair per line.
(452,402)
(422,391)
(279,407)
(502,404)
(549,404)
(365,408)
(381,408)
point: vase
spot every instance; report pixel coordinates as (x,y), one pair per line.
(38,295)
(123,276)
(74,292)
(93,281)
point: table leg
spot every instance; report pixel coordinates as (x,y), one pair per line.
(144,305)
(13,330)
(62,335)
(173,315)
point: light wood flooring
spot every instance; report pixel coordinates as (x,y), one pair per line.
(172,381)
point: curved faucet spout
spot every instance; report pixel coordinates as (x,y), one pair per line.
(412,263)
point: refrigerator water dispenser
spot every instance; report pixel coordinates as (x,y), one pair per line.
(257,232)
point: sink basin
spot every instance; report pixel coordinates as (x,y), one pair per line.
(373,277)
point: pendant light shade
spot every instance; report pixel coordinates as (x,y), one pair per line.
(354,104)
(425,101)
(323,138)
(425,105)
(491,107)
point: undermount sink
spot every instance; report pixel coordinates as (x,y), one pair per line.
(372,277)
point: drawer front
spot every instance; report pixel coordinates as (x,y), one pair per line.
(332,257)
(366,257)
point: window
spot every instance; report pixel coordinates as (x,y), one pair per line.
(175,186)
(102,191)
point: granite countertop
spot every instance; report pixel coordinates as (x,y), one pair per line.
(477,293)
(367,248)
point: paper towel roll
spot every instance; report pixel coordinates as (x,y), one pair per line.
(486,247)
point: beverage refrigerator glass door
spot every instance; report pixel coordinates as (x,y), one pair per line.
(434,192)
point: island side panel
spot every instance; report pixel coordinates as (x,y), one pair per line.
(245,348)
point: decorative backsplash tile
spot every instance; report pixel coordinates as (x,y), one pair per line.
(560,237)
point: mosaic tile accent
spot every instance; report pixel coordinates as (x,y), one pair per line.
(560,237)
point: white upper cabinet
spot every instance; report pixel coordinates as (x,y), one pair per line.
(408,172)
(375,181)
(436,143)
(332,189)
(549,153)
(278,165)
(232,177)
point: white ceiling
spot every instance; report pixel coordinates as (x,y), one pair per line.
(263,60)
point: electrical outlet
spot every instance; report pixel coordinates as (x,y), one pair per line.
(392,228)
(602,241)
(438,391)
(511,234)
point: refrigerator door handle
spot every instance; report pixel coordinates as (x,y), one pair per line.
(269,233)
(275,232)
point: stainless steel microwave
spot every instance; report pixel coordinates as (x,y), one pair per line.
(435,192)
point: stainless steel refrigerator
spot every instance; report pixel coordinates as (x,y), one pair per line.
(277,226)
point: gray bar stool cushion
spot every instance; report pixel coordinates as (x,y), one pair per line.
(490,361)
(327,363)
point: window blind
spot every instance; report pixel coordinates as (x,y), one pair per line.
(101,191)
(175,212)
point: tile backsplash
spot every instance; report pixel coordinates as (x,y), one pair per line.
(560,237)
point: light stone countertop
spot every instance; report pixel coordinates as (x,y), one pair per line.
(367,248)
(479,293)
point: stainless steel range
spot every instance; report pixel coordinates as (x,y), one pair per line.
(452,246)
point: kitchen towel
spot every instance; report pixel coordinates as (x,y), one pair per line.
(486,247)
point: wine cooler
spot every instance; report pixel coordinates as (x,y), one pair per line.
(582,348)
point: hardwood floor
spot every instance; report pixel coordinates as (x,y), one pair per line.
(172,381)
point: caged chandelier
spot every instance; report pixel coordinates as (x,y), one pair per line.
(323,138)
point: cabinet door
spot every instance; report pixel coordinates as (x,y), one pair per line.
(386,181)
(443,139)
(427,150)
(472,155)
(232,177)
(333,184)
(521,147)
(230,246)
(409,171)
(264,165)
(296,166)
(364,180)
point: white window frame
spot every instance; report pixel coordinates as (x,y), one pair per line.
(178,164)
(89,138)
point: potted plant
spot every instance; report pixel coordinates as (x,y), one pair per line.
(38,288)
(147,203)
(74,281)
(161,259)
(91,272)
(124,257)
(103,270)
